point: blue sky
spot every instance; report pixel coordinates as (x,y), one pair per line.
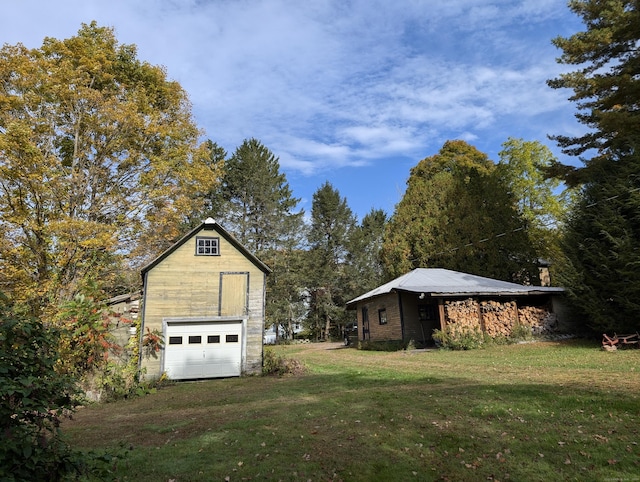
(354,92)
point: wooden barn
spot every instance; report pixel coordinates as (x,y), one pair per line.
(205,296)
(412,306)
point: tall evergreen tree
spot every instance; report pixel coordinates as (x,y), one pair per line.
(332,223)
(257,206)
(260,205)
(603,231)
(606,85)
(602,245)
(458,213)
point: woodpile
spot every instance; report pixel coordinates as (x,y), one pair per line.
(540,319)
(498,318)
(462,313)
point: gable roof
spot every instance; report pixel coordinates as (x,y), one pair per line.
(444,282)
(209,225)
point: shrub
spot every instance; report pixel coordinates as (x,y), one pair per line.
(453,337)
(33,398)
(85,340)
(273,364)
(521,333)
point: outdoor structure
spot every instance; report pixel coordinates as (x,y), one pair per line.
(411,306)
(123,312)
(206,297)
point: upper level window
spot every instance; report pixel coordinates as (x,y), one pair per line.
(206,246)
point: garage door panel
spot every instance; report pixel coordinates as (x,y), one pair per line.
(203,350)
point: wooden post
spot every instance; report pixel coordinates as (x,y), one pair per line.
(443,322)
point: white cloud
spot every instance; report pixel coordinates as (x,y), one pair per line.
(328,84)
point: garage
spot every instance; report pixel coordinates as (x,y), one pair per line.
(203,349)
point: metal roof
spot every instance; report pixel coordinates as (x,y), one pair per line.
(444,282)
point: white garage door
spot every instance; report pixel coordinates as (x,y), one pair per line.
(203,350)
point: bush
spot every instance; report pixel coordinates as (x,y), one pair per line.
(521,333)
(273,364)
(33,398)
(453,337)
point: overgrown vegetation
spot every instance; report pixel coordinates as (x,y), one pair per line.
(274,364)
(34,398)
(535,412)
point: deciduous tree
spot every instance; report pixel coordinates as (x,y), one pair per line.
(96,148)
(457,213)
(542,206)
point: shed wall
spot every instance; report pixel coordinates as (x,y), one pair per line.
(392,330)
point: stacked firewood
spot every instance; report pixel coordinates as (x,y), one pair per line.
(540,319)
(499,318)
(462,313)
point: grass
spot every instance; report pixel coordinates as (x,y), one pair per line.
(540,411)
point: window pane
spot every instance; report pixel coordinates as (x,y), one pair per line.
(206,246)
(382,315)
(195,339)
(175,340)
(213,339)
(232,338)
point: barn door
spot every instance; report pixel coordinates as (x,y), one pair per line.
(234,294)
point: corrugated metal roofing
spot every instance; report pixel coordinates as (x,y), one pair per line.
(444,282)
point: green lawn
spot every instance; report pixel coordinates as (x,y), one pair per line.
(540,411)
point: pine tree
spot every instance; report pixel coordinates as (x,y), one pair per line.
(332,223)
(259,206)
(365,267)
(603,234)
(256,204)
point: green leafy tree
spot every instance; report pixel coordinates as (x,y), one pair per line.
(524,165)
(96,148)
(457,213)
(603,230)
(332,223)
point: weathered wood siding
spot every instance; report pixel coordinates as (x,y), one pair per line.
(184,285)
